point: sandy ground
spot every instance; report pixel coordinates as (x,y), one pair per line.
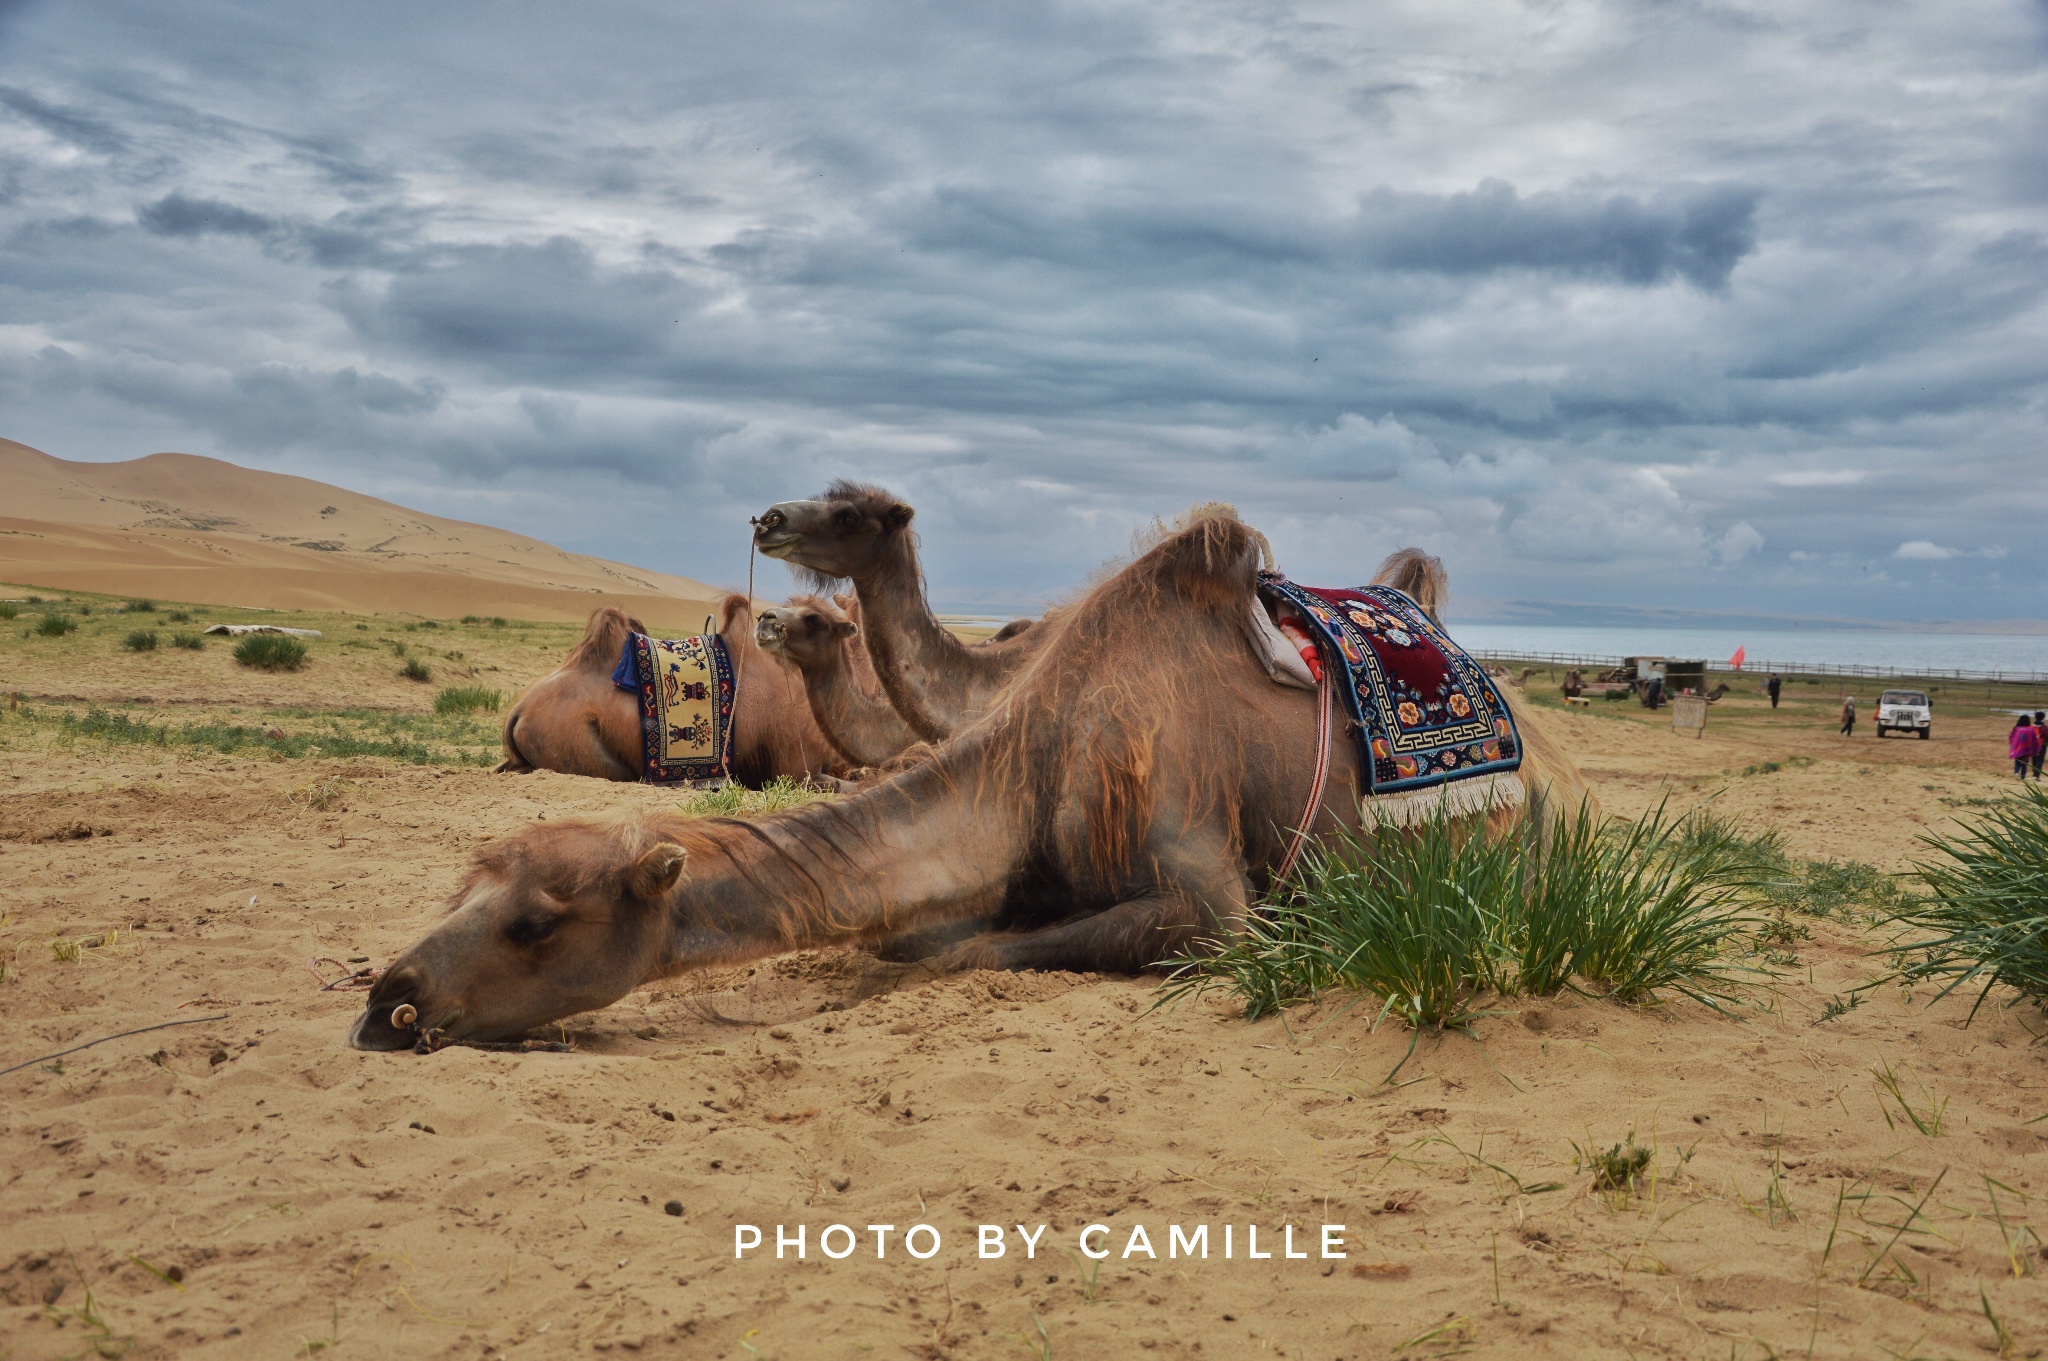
(313,1199)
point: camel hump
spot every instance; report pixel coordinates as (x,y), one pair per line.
(1419,576)
(735,610)
(604,637)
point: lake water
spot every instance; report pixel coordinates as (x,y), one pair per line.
(1817,647)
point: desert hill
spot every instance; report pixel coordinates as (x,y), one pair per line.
(186,528)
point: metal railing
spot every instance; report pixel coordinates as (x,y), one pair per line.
(1761,669)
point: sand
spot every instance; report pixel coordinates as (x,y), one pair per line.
(467,1204)
(198,529)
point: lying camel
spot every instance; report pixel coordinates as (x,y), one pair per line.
(576,721)
(935,681)
(824,645)
(1130,796)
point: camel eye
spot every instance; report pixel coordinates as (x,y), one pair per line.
(531,930)
(846,518)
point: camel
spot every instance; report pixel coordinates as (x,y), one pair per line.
(824,645)
(1129,797)
(935,681)
(576,721)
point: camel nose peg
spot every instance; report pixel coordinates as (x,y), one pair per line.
(403,1015)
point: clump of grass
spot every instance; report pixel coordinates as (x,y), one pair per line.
(178,617)
(1839,1006)
(1986,913)
(497,621)
(1616,1168)
(1431,917)
(271,652)
(415,670)
(8,609)
(56,625)
(464,699)
(139,607)
(141,640)
(398,737)
(191,642)
(733,800)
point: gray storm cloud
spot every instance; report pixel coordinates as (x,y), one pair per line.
(1708,306)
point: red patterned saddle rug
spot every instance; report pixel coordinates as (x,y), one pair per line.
(1432,730)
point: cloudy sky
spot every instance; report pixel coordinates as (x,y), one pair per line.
(1725,306)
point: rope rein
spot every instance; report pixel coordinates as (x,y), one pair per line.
(1316,785)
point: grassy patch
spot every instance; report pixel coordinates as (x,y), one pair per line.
(141,640)
(415,739)
(465,699)
(1432,918)
(8,609)
(732,800)
(139,607)
(416,670)
(271,652)
(190,642)
(56,625)
(1985,918)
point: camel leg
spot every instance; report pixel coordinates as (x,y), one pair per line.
(1130,937)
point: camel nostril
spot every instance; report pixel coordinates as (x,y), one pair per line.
(403,1015)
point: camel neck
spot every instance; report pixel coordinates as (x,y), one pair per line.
(866,731)
(933,679)
(924,848)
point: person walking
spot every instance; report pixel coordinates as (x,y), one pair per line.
(1848,715)
(1777,684)
(2023,745)
(2041,742)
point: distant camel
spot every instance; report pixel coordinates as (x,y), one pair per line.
(935,681)
(576,721)
(824,645)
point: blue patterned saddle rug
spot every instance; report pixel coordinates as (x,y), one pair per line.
(686,688)
(1431,727)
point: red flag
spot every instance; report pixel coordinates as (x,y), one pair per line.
(1736,660)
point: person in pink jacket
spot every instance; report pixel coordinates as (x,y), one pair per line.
(2023,744)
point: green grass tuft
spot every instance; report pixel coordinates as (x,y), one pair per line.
(139,607)
(464,699)
(1430,919)
(56,625)
(416,670)
(271,652)
(141,640)
(734,800)
(8,609)
(1985,919)
(191,642)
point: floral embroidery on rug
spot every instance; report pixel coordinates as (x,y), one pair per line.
(686,688)
(1426,713)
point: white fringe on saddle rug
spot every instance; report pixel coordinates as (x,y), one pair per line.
(1455,799)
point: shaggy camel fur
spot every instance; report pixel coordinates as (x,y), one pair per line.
(576,721)
(935,681)
(1129,796)
(824,644)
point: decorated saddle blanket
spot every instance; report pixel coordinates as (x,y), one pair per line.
(1427,716)
(686,688)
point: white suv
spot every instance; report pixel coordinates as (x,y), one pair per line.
(1904,711)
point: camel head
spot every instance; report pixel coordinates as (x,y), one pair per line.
(806,631)
(561,918)
(844,533)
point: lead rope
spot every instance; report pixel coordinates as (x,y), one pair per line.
(1315,788)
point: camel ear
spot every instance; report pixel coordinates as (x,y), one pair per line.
(657,871)
(845,628)
(896,516)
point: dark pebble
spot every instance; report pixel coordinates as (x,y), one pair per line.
(674,1207)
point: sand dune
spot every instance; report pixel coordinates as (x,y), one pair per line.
(187,528)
